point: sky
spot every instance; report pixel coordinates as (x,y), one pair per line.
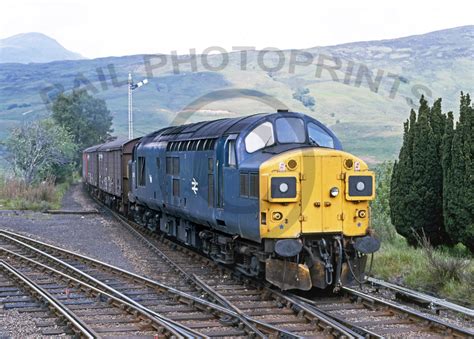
(99,28)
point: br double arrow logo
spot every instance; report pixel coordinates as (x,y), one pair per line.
(194,187)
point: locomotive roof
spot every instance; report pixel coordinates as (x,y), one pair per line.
(210,129)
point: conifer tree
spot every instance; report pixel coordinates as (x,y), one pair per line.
(417,182)
(427,185)
(459,177)
(401,181)
(448,185)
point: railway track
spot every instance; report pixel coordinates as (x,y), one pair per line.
(423,300)
(275,313)
(206,300)
(377,318)
(79,307)
(228,321)
(192,315)
(19,291)
(357,313)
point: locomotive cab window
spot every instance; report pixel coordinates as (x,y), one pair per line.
(319,137)
(290,130)
(141,171)
(231,157)
(260,137)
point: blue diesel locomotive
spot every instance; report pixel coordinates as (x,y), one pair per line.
(273,195)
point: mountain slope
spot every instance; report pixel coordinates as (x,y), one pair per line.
(33,47)
(365,111)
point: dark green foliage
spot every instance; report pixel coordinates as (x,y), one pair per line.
(459,175)
(401,197)
(85,117)
(380,206)
(447,158)
(40,150)
(417,181)
(427,185)
(432,185)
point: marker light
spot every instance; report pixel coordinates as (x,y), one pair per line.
(283,187)
(360,186)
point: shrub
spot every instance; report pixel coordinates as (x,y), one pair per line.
(442,266)
(446,272)
(16,194)
(380,207)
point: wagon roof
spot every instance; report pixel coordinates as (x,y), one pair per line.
(108,146)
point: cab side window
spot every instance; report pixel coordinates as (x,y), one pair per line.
(141,171)
(231,157)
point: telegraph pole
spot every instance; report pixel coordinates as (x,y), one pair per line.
(130,113)
(131,88)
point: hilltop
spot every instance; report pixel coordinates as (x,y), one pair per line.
(33,47)
(363,90)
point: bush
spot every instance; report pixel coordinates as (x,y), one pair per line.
(302,94)
(16,194)
(380,207)
(434,270)
(442,266)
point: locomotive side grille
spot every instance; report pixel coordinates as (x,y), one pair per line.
(210,192)
(244,186)
(253,185)
(169,165)
(176,187)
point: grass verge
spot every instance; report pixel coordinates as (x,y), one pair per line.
(448,273)
(16,195)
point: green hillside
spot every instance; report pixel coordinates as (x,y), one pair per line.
(368,121)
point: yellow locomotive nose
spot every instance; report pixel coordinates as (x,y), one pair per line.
(314,191)
(314,205)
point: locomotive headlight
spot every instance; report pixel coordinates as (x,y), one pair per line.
(334,192)
(360,186)
(283,187)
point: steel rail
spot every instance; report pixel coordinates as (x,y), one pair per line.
(357,329)
(423,297)
(316,313)
(313,312)
(98,292)
(43,296)
(178,328)
(257,325)
(454,329)
(154,284)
